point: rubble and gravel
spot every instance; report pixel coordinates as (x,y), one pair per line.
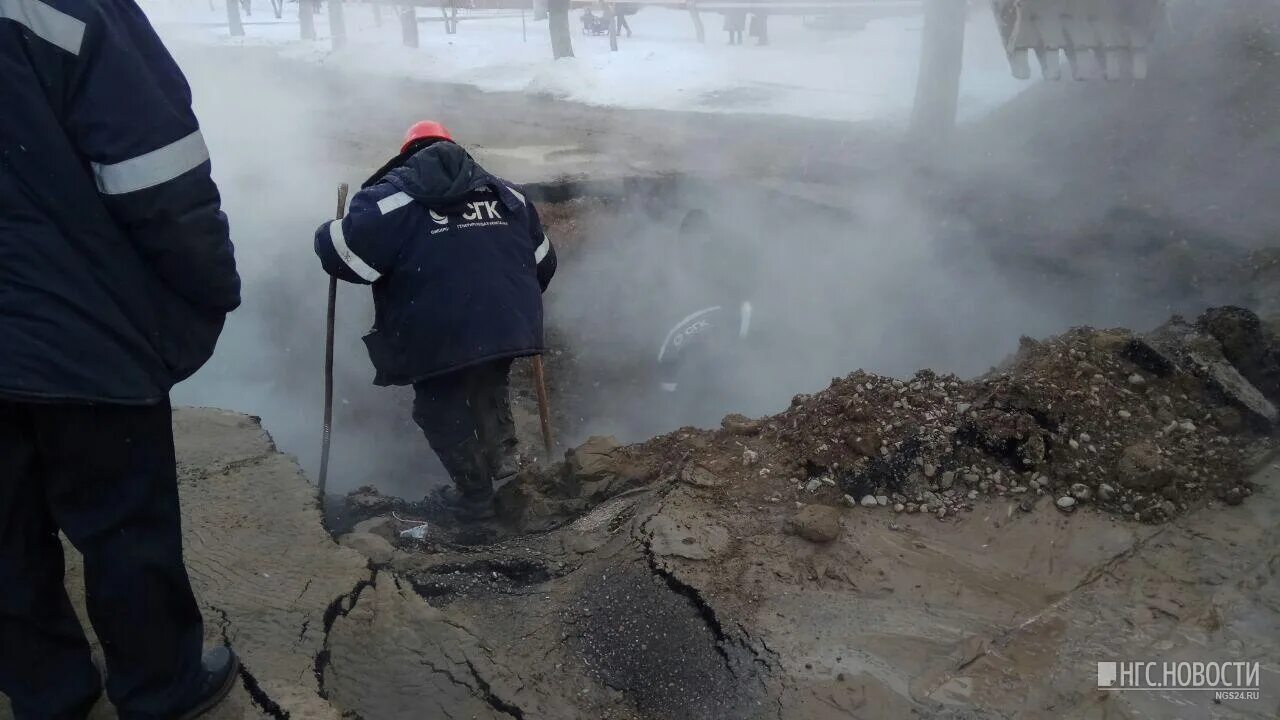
(1138,425)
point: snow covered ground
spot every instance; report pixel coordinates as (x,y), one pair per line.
(850,75)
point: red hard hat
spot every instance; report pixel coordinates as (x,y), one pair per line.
(425,130)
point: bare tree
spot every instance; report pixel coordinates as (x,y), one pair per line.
(409,25)
(307,19)
(697,21)
(337,24)
(941,58)
(233,18)
(561,38)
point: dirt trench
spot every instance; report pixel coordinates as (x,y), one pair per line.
(691,577)
(683,601)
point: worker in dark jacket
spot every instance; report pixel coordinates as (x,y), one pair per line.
(458,261)
(116,271)
(709,311)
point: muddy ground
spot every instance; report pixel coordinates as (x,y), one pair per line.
(696,596)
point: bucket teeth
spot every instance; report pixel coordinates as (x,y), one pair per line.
(1115,32)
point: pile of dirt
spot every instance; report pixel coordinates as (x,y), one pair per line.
(1141,425)
(754,571)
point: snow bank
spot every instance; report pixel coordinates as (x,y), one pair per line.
(849,75)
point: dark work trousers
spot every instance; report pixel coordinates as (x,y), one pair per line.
(105,476)
(471,403)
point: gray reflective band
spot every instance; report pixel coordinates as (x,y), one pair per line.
(391,203)
(541,253)
(154,168)
(662,351)
(353,261)
(48,23)
(519,195)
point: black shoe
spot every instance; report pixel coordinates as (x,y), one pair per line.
(504,460)
(469,469)
(473,508)
(221,666)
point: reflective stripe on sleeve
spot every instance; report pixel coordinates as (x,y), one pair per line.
(391,203)
(541,253)
(353,261)
(154,168)
(46,22)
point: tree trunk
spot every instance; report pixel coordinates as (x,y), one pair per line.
(277,7)
(337,24)
(611,17)
(307,19)
(233,18)
(561,39)
(697,22)
(409,26)
(941,60)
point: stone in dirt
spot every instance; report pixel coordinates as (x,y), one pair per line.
(369,500)
(866,444)
(1141,467)
(381,526)
(592,460)
(377,549)
(1066,503)
(699,476)
(870,501)
(740,425)
(687,537)
(1177,345)
(816,523)
(1252,348)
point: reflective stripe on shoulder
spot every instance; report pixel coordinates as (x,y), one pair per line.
(662,351)
(541,253)
(391,203)
(47,22)
(519,195)
(353,261)
(151,169)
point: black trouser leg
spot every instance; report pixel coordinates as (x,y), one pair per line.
(442,408)
(45,667)
(490,393)
(111,485)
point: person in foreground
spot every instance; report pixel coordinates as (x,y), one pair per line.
(458,261)
(116,272)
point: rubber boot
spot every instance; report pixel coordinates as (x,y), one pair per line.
(497,430)
(469,470)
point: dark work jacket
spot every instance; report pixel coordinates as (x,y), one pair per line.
(116,269)
(458,261)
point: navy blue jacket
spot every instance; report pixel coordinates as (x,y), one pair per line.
(458,261)
(116,269)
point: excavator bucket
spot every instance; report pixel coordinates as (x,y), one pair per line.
(1107,38)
